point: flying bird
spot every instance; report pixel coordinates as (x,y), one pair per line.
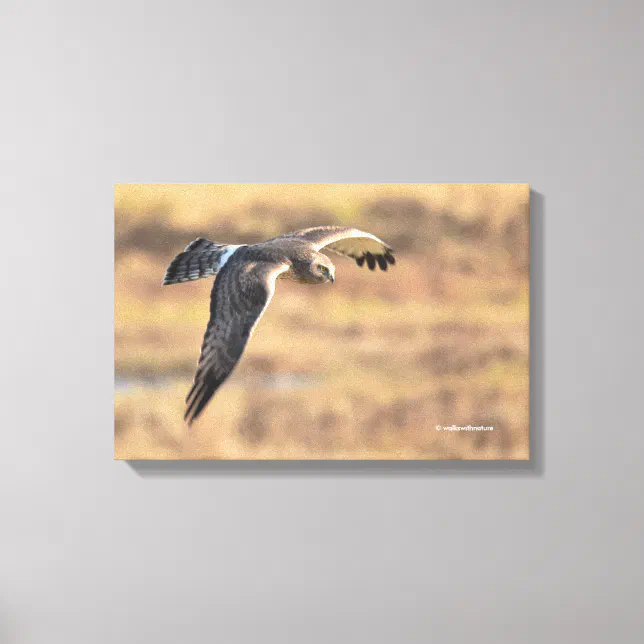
(244,285)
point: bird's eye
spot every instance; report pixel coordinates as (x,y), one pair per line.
(323,269)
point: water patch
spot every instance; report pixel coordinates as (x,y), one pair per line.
(285,381)
(128,383)
(282,381)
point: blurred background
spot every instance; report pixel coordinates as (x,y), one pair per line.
(362,369)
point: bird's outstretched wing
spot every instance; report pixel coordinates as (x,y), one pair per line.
(240,294)
(350,242)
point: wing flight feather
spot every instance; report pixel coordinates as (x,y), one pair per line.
(239,297)
(349,242)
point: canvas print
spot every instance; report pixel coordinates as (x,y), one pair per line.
(322,321)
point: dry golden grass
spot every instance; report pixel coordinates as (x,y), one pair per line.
(363,369)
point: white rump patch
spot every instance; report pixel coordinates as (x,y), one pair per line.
(228,254)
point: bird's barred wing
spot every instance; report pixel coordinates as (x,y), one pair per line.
(240,294)
(361,246)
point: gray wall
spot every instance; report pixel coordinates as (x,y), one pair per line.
(96,551)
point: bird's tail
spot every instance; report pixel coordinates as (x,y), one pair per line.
(201,258)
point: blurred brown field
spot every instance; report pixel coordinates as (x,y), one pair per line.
(364,369)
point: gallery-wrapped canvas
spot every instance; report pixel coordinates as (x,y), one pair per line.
(322,321)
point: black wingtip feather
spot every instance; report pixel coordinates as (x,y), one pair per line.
(196,400)
(202,396)
(381,260)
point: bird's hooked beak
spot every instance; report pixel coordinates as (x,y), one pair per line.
(331,278)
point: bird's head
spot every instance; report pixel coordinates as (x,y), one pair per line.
(322,269)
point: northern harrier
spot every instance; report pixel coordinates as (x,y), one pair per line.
(245,283)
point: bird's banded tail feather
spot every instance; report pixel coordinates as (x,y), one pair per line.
(201,258)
